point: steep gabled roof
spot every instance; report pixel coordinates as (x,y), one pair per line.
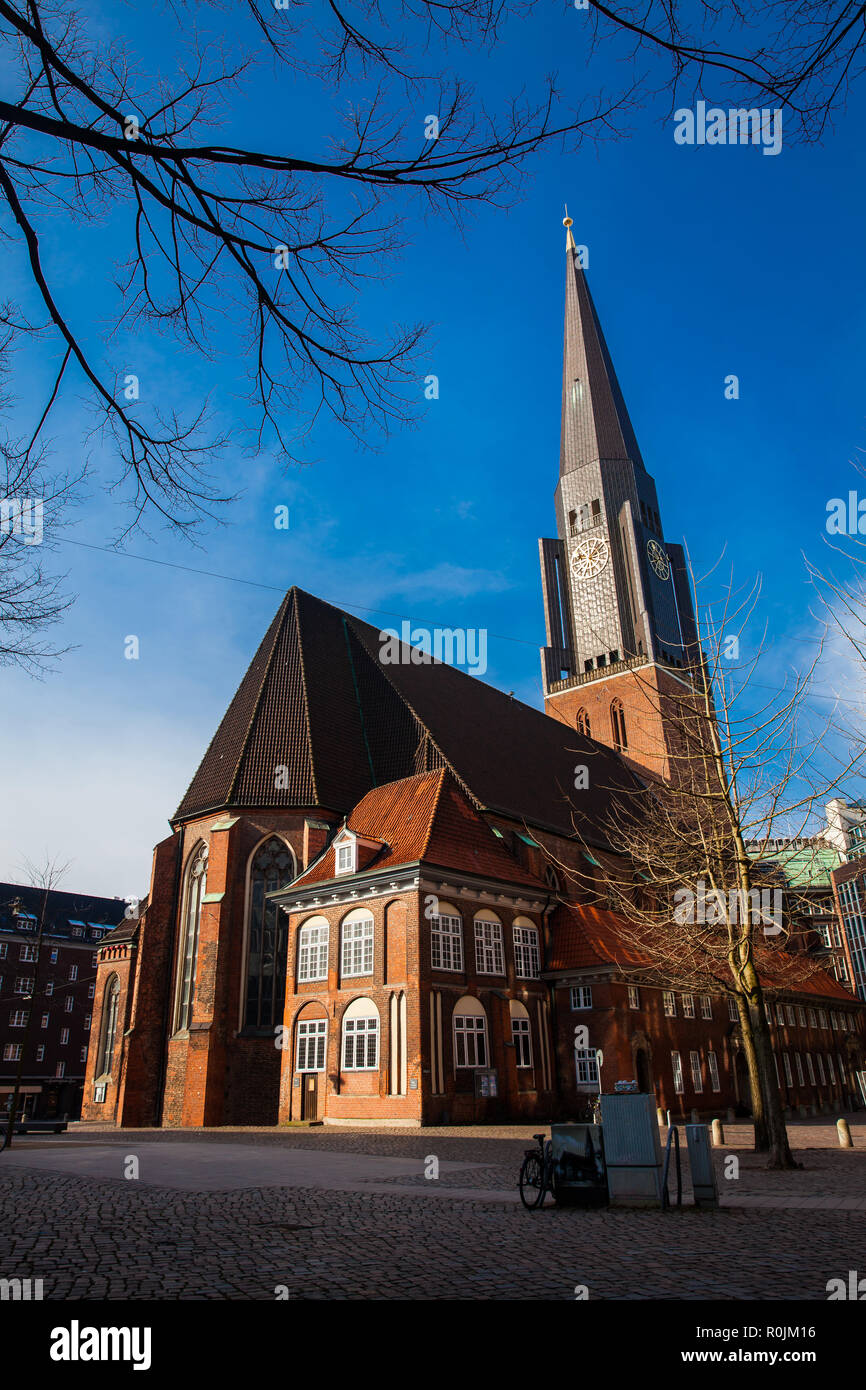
(319,703)
(426,819)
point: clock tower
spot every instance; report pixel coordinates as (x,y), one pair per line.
(620,623)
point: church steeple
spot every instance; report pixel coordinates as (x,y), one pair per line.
(595,421)
(616,596)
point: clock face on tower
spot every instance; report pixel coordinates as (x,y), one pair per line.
(589,558)
(658,559)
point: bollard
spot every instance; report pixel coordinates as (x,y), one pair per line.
(661,1115)
(718,1134)
(668,1118)
(844,1133)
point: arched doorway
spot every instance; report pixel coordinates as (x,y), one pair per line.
(744,1089)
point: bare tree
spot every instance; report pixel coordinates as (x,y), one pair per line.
(703,893)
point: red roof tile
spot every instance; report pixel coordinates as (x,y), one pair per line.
(426,818)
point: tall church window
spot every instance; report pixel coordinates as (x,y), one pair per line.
(617,719)
(273,867)
(110,1001)
(195,889)
(582,722)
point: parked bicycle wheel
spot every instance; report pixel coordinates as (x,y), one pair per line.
(532,1182)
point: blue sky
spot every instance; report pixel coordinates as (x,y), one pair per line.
(702,261)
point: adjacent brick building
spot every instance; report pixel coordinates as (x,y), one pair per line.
(47,994)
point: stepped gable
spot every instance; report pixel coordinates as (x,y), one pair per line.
(318,701)
(426,818)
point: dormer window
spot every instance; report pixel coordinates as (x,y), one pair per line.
(346,851)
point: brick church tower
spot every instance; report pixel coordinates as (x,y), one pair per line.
(617,602)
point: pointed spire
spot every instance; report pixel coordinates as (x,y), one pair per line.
(595,421)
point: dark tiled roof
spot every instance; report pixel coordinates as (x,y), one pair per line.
(427,819)
(65,912)
(318,701)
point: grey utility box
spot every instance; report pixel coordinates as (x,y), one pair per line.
(701,1164)
(632,1152)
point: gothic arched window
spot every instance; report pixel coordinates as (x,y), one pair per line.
(110,1001)
(582,721)
(273,867)
(617,719)
(194,891)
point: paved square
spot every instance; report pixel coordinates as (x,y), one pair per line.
(349,1214)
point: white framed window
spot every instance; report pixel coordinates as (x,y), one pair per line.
(49,988)
(88,1019)
(311,1044)
(697,1078)
(633,997)
(73,972)
(27,952)
(677,1069)
(813,1018)
(821,1075)
(12,1052)
(54,954)
(82,1056)
(527,958)
(520,1036)
(669,1002)
(70,1003)
(780,1014)
(64,1036)
(581,997)
(19,1018)
(313,944)
(801,1016)
(834,1021)
(470,1033)
(586,1064)
(91,990)
(357,953)
(446,939)
(831,1070)
(822,1018)
(776,1066)
(345,853)
(40,1053)
(706,1006)
(799,1065)
(94,960)
(24,984)
(45,1018)
(4,950)
(60,1070)
(733,1011)
(713,1066)
(842,1072)
(688,1006)
(361,1036)
(786,1063)
(792,1015)
(810,1068)
(489,948)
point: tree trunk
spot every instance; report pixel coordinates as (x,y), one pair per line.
(759,1107)
(779,1150)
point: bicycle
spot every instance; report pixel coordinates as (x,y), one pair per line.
(536,1173)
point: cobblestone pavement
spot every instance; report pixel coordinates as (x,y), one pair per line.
(116,1239)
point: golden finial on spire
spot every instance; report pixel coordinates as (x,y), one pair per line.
(568,223)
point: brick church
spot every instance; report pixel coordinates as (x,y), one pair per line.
(380,900)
